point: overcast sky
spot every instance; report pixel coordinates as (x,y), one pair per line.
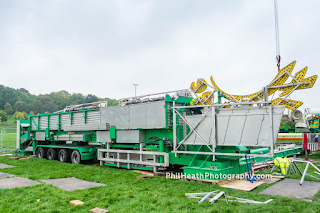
(103,47)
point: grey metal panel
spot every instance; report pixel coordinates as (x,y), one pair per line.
(103,136)
(78,118)
(40,136)
(251,137)
(151,115)
(34,123)
(131,136)
(107,115)
(93,117)
(65,120)
(222,126)
(243,126)
(121,117)
(235,130)
(71,137)
(138,116)
(156,115)
(53,121)
(43,122)
(85,127)
(204,129)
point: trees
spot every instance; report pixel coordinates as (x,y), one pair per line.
(20,100)
(3,116)
(25,116)
(43,103)
(77,98)
(91,98)
(21,116)
(18,116)
(7,94)
(61,98)
(8,108)
(112,102)
(21,106)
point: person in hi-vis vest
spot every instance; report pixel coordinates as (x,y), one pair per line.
(195,110)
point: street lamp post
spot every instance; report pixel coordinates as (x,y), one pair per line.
(135,89)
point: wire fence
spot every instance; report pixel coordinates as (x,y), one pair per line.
(8,137)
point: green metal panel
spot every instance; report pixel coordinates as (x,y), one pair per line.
(113,134)
(87,138)
(47,133)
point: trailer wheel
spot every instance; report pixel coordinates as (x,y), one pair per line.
(52,154)
(75,157)
(63,155)
(41,152)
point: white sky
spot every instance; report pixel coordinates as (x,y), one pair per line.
(102,47)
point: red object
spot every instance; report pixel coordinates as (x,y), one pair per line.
(305,141)
(305,145)
(313,146)
(278,60)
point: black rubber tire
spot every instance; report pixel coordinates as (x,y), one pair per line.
(52,154)
(63,155)
(75,157)
(41,152)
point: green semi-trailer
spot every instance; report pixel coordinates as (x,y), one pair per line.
(156,133)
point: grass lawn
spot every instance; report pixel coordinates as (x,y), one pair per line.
(9,141)
(314,155)
(9,134)
(9,123)
(125,193)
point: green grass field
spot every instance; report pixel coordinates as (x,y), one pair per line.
(9,136)
(10,122)
(126,193)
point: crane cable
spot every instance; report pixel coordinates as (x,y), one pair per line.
(276,17)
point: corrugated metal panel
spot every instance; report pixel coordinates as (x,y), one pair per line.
(43,122)
(85,127)
(78,118)
(34,123)
(93,117)
(53,121)
(65,120)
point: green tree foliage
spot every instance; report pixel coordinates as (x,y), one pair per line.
(112,102)
(20,100)
(21,106)
(61,99)
(25,116)
(18,116)
(43,104)
(91,98)
(21,116)
(77,98)
(3,116)
(8,108)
